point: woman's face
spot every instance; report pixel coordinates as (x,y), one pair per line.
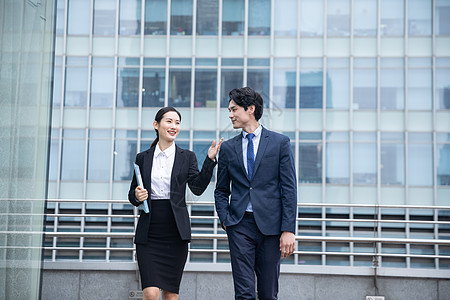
(169,127)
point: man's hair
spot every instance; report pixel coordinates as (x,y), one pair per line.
(247,96)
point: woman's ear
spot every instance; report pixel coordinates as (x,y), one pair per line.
(155,125)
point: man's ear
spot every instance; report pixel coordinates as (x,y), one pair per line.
(251,109)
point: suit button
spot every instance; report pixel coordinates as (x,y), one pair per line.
(251,189)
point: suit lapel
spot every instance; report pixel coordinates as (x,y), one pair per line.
(238,149)
(176,169)
(148,164)
(263,142)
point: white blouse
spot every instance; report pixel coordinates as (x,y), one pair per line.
(161,172)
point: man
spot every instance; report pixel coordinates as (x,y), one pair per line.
(257,169)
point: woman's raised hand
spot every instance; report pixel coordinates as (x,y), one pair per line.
(214,149)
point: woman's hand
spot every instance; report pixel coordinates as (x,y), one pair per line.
(140,193)
(214,149)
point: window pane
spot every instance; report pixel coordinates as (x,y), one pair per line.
(124,157)
(127,87)
(392,164)
(180,87)
(155,17)
(364,163)
(338,18)
(153,87)
(130,17)
(338,163)
(233,17)
(443,83)
(420,164)
(72,161)
(231,79)
(258,17)
(311,83)
(392,17)
(392,84)
(310,163)
(205,88)
(338,83)
(419,17)
(285,18)
(53,161)
(181,17)
(365,17)
(420,89)
(102,86)
(443,164)
(259,80)
(104,17)
(201,151)
(442,17)
(365,84)
(79,19)
(60,16)
(311,17)
(76,86)
(207,17)
(99,159)
(284,83)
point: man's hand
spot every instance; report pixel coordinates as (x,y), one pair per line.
(287,244)
(140,193)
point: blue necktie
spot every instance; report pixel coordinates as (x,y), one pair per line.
(250,155)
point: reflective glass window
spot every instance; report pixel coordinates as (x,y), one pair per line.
(72,156)
(102,82)
(153,87)
(201,151)
(207,17)
(285,18)
(311,18)
(259,17)
(443,162)
(181,17)
(365,17)
(311,83)
(57,81)
(127,87)
(180,87)
(104,17)
(364,163)
(443,83)
(420,160)
(155,17)
(310,158)
(233,17)
(284,86)
(231,79)
(60,16)
(392,157)
(338,18)
(420,81)
(392,17)
(364,83)
(125,150)
(337,162)
(53,159)
(79,19)
(76,81)
(442,17)
(338,83)
(205,88)
(419,17)
(130,17)
(392,78)
(99,156)
(259,80)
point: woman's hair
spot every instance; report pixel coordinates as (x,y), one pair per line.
(247,96)
(159,115)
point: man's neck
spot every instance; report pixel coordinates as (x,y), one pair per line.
(251,127)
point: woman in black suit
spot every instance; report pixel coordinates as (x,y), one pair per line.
(163,234)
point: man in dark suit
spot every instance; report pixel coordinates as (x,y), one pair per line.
(256,168)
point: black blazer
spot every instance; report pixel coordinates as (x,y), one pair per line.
(185,170)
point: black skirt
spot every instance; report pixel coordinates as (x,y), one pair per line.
(161,261)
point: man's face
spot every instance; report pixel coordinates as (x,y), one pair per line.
(238,115)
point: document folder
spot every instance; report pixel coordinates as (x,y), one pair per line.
(137,171)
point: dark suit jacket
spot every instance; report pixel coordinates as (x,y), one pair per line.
(185,170)
(272,190)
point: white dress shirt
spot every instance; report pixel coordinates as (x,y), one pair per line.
(256,140)
(161,172)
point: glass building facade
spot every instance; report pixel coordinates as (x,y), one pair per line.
(361,87)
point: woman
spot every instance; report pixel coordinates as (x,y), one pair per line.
(162,235)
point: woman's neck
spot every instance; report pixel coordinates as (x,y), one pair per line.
(163,145)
